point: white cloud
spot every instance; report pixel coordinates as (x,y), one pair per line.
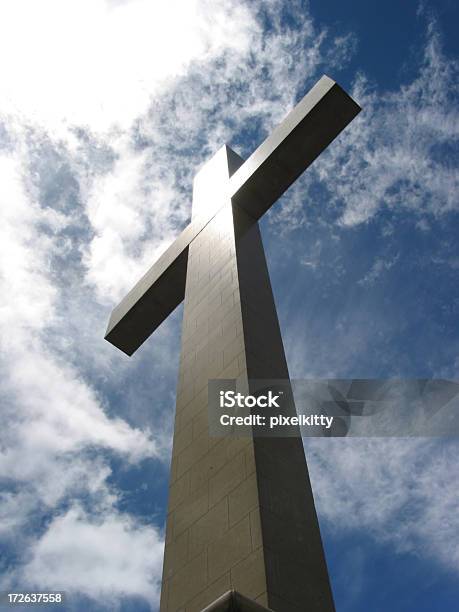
(106,558)
(95,63)
(30,303)
(399,491)
(53,420)
(49,392)
(133,219)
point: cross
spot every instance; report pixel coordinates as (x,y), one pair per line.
(241,518)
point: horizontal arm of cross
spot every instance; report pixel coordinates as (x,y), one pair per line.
(154,296)
(306,131)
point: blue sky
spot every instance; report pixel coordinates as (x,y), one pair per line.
(107,109)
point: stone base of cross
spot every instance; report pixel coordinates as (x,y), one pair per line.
(241,512)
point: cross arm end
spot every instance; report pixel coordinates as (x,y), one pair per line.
(292,147)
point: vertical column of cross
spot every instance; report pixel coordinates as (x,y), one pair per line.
(213,527)
(241,513)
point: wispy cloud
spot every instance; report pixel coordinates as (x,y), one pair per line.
(397,156)
(398,491)
(378,267)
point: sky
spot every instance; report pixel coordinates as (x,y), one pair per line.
(107,110)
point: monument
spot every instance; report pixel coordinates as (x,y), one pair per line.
(242,531)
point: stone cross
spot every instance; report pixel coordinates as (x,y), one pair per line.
(241,518)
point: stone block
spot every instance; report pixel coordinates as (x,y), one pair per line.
(187,582)
(209,527)
(242,499)
(234,546)
(227,478)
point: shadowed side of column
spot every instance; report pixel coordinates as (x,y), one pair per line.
(296,571)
